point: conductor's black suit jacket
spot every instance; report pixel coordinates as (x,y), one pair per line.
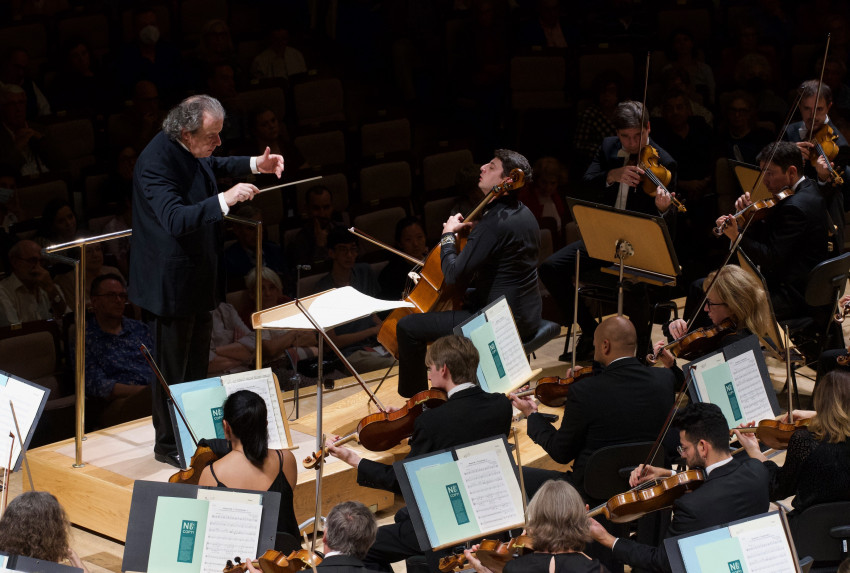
(469,415)
(733,491)
(177,265)
(625,402)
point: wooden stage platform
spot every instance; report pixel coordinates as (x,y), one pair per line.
(97,496)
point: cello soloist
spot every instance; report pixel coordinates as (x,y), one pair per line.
(500,258)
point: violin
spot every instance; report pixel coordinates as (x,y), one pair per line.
(276,562)
(824,144)
(552,390)
(431,293)
(774,434)
(754,211)
(381,431)
(843,359)
(656,175)
(842,312)
(652,495)
(697,343)
(492,553)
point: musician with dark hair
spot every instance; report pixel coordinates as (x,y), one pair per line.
(733,488)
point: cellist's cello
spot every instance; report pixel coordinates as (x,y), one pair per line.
(431,293)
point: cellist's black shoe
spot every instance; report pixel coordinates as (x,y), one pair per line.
(171,458)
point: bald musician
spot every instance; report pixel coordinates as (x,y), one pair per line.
(733,488)
(470,414)
(623,402)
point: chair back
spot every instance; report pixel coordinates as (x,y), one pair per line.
(827,280)
(608,468)
(815,531)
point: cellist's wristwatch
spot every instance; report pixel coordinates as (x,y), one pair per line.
(447,239)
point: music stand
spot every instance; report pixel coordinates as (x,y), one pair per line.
(747,175)
(614,235)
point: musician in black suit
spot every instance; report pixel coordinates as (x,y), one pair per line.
(177,268)
(470,414)
(350,530)
(799,134)
(617,184)
(733,488)
(624,402)
(793,237)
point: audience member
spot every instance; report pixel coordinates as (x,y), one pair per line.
(147,58)
(543,197)
(596,122)
(548,27)
(78,87)
(232,344)
(267,131)
(94,268)
(466,187)
(410,239)
(15,70)
(10,205)
(216,47)
(117,251)
(279,59)
(682,52)
(676,78)
(115,369)
(739,136)
(35,525)
(21,145)
(29,293)
(310,244)
(240,257)
(357,339)
(58,223)
(137,124)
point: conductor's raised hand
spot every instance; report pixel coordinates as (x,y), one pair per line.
(239,192)
(270,162)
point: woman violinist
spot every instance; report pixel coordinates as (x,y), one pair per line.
(250,463)
(736,297)
(817,463)
(558,527)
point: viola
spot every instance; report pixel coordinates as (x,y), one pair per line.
(552,390)
(774,434)
(754,211)
(652,495)
(381,431)
(697,343)
(842,313)
(276,562)
(431,294)
(824,142)
(492,553)
(655,175)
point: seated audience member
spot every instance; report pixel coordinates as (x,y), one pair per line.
(136,125)
(468,193)
(148,58)
(549,27)
(246,428)
(216,47)
(120,182)
(114,366)
(78,87)
(356,339)
(542,197)
(596,122)
(410,239)
(29,293)
(733,488)
(35,525)
(682,52)
(350,531)
(21,143)
(556,522)
(58,223)
(638,400)
(232,344)
(10,205)
(310,244)
(817,464)
(15,70)
(279,59)
(739,137)
(267,131)
(240,258)
(117,251)
(470,414)
(94,268)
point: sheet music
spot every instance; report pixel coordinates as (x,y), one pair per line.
(765,545)
(27,399)
(510,346)
(216,494)
(488,492)
(232,529)
(700,367)
(749,387)
(262,383)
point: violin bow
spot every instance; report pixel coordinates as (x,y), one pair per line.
(817,94)
(358,233)
(643,115)
(152,363)
(521,480)
(21,443)
(339,354)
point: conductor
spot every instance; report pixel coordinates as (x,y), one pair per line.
(176,265)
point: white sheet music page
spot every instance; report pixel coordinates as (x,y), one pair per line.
(262,383)
(749,387)
(765,545)
(508,341)
(487,477)
(233,529)
(26,398)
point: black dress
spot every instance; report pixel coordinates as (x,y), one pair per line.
(814,471)
(564,563)
(286,522)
